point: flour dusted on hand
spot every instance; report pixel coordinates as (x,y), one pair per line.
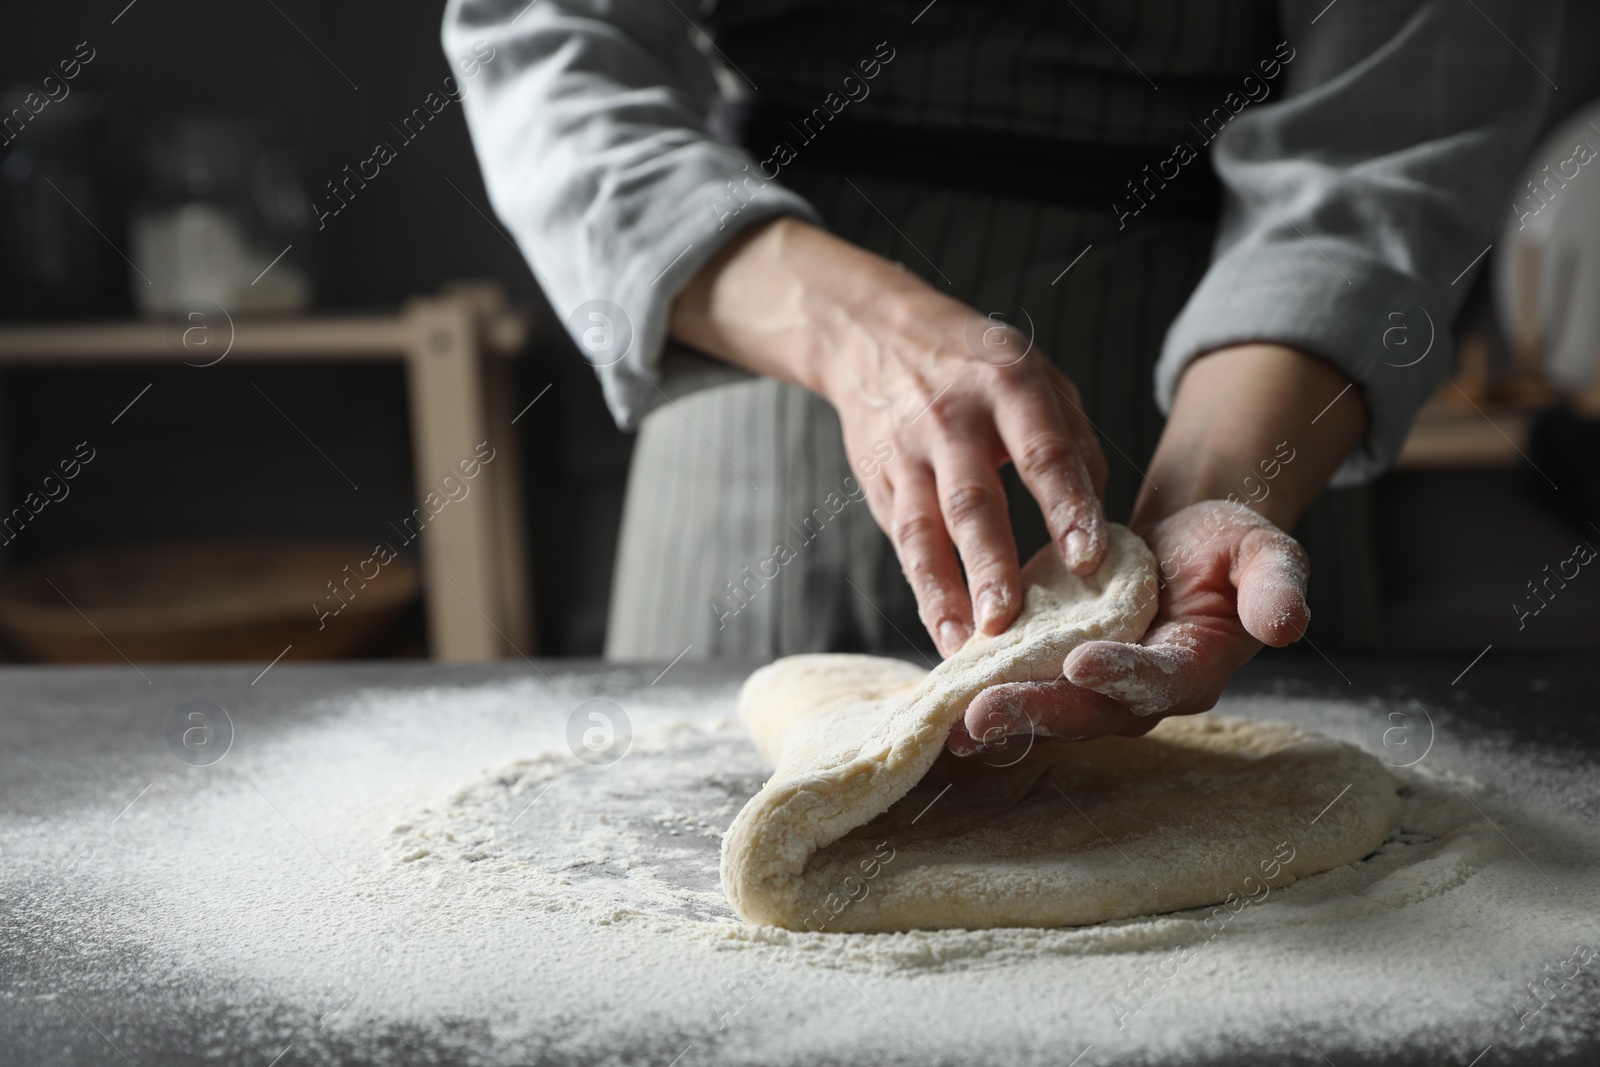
(867,824)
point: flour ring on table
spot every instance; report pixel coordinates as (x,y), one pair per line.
(868,825)
(635,846)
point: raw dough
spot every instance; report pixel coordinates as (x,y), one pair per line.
(867,824)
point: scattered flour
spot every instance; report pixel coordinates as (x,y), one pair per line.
(617,869)
(357,887)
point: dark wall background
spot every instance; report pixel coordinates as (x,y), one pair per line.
(202,453)
(165,59)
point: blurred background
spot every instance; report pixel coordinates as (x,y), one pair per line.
(245,358)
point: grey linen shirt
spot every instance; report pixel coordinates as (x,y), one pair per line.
(1358,186)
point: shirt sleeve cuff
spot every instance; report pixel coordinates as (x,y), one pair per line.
(1347,314)
(652,368)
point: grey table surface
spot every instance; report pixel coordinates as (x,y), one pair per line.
(86,747)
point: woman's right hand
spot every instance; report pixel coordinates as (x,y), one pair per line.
(917,376)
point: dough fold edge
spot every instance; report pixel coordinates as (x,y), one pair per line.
(841,761)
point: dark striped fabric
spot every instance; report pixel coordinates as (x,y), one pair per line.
(1105,71)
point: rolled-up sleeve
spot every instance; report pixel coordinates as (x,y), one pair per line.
(589,122)
(1367,191)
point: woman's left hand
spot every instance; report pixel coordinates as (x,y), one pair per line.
(1231,582)
(1266,421)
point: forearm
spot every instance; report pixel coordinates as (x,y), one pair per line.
(744,307)
(791,301)
(1239,412)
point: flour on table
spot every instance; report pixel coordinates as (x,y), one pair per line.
(638,839)
(636,844)
(270,901)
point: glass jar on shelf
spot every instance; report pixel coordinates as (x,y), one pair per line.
(222,220)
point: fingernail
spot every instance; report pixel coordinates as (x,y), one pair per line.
(1075,546)
(991,605)
(952,635)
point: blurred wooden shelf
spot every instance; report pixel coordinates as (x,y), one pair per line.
(369,337)
(1443,439)
(499,330)
(455,347)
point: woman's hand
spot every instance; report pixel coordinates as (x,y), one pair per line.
(1231,582)
(1255,433)
(919,377)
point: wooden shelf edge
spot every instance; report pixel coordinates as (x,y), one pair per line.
(355,337)
(501,333)
(1452,441)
